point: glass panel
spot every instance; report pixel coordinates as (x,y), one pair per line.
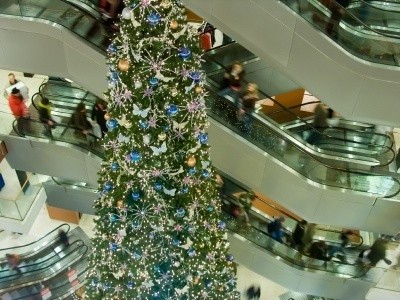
(36,246)
(17,204)
(10,7)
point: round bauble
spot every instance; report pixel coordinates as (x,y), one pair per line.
(162,136)
(165,3)
(191,162)
(107,116)
(174,92)
(173,24)
(196,280)
(138,84)
(123,65)
(198,89)
(126,13)
(128,125)
(120,203)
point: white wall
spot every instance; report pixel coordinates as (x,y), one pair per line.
(359,90)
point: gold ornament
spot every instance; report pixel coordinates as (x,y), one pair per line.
(162,136)
(191,162)
(123,65)
(173,24)
(165,3)
(107,116)
(120,203)
(196,280)
(174,92)
(127,124)
(198,89)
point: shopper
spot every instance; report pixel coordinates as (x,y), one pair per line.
(247,105)
(232,82)
(253,292)
(318,250)
(45,116)
(98,112)
(338,9)
(320,123)
(275,228)
(80,122)
(63,237)
(308,236)
(21,86)
(13,261)
(19,110)
(298,234)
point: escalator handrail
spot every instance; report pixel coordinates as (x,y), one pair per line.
(294,143)
(383,8)
(77,244)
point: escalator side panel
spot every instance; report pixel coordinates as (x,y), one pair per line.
(274,33)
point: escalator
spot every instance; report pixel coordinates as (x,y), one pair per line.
(37,270)
(255,236)
(339,71)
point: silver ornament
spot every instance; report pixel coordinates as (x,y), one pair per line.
(126,13)
(162,136)
(138,84)
(174,92)
(146,139)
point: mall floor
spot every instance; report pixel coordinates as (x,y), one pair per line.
(43,223)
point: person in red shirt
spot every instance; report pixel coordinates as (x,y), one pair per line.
(19,110)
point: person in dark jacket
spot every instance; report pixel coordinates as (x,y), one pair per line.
(80,122)
(232,82)
(318,250)
(63,237)
(45,116)
(298,234)
(253,292)
(98,113)
(338,9)
(275,228)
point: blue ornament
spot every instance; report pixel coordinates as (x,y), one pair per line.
(176,242)
(114,166)
(205,174)
(229,257)
(137,255)
(135,156)
(94,282)
(114,76)
(221,225)
(172,110)
(113,246)
(153,81)
(143,124)
(203,138)
(232,280)
(208,284)
(158,186)
(129,285)
(210,208)
(180,213)
(195,76)
(154,19)
(192,171)
(112,49)
(184,189)
(152,235)
(185,53)
(108,186)
(136,195)
(112,124)
(106,286)
(113,218)
(191,252)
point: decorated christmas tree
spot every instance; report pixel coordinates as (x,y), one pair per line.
(159,232)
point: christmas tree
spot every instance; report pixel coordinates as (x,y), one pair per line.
(159,232)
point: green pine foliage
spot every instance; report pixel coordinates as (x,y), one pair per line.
(159,233)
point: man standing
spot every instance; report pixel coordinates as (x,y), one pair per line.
(19,110)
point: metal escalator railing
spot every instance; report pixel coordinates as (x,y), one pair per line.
(27,250)
(291,152)
(352,34)
(42,270)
